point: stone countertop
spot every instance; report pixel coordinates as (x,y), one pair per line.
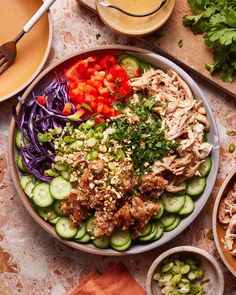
(31,261)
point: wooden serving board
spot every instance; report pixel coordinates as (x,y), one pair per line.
(193,54)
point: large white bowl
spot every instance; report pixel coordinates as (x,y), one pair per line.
(45,78)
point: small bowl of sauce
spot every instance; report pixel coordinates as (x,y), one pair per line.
(135,18)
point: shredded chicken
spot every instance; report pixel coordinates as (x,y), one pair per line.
(227,217)
(183,119)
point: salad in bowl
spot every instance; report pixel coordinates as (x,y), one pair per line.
(113,152)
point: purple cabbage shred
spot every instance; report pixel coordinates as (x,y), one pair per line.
(35,118)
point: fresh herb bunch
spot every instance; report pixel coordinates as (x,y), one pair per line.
(216,19)
(144,138)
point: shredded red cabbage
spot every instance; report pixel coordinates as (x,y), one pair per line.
(35,118)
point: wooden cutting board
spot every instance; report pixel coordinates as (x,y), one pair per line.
(193,54)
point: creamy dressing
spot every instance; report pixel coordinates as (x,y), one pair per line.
(137,6)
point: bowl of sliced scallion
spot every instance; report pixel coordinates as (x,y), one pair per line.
(185,270)
(114,150)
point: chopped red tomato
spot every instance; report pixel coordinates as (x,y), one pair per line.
(41,100)
(95,83)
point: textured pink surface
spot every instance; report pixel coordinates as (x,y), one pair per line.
(32,262)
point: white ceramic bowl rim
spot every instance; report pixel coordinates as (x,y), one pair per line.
(213,138)
(185,249)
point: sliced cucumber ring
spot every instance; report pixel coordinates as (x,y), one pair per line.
(168,219)
(90,225)
(65,228)
(41,195)
(18,138)
(150,236)
(158,215)
(130,64)
(196,186)
(123,247)
(20,163)
(172,203)
(81,231)
(146,230)
(173,225)
(29,189)
(120,238)
(60,188)
(205,167)
(101,243)
(159,231)
(188,206)
(57,208)
(84,240)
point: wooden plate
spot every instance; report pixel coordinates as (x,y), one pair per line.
(32,49)
(45,79)
(135,26)
(218,231)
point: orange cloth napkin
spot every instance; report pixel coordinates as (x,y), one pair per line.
(116,281)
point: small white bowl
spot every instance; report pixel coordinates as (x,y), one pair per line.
(212,270)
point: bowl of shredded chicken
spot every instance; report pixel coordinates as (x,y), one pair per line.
(124,183)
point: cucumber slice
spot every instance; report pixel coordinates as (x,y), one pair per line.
(90,225)
(123,247)
(29,189)
(60,188)
(159,215)
(84,240)
(144,67)
(172,203)
(168,219)
(173,225)
(101,243)
(45,213)
(81,231)
(150,236)
(65,229)
(18,138)
(61,166)
(24,179)
(53,221)
(205,167)
(57,208)
(120,238)
(130,64)
(41,195)
(159,231)
(188,206)
(65,175)
(196,186)
(20,163)
(146,230)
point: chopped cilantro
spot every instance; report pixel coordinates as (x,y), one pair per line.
(217,21)
(145,138)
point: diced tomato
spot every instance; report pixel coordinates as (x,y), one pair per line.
(41,100)
(107,61)
(96,82)
(99,107)
(67,109)
(103,91)
(137,72)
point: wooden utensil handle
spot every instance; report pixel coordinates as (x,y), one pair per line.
(35,18)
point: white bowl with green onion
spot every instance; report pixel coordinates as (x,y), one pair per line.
(185,270)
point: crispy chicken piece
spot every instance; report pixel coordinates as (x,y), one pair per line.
(151,182)
(230,234)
